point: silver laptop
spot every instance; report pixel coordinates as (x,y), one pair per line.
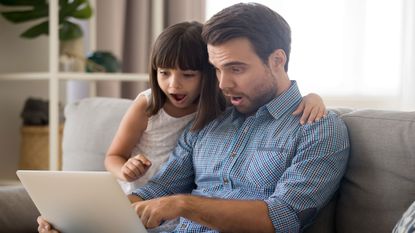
(82,202)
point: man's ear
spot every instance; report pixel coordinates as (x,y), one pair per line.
(277,59)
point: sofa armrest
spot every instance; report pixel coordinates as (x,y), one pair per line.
(18,213)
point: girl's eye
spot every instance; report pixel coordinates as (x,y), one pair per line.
(189,75)
(163,72)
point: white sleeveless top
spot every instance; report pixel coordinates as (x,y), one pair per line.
(156,142)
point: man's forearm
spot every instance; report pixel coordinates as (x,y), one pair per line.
(226,215)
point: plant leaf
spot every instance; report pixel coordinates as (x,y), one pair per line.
(69,31)
(83,11)
(23,16)
(67,8)
(80,9)
(37,30)
(22,2)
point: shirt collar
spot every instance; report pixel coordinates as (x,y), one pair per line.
(286,101)
(278,106)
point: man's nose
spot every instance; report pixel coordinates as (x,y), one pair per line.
(225,82)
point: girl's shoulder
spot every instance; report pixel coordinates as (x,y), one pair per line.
(146,94)
(140,104)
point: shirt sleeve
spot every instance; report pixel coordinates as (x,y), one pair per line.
(176,175)
(407,223)
(312,177)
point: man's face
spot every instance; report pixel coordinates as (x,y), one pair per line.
(243,77)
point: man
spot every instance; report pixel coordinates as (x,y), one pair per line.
(255,168)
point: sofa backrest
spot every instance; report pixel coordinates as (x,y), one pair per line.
(379,183)
(90,125)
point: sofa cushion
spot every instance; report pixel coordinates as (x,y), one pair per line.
(90,125)
(324,222)
(379,182)
(18,213)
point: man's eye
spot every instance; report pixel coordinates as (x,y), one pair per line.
(236,70)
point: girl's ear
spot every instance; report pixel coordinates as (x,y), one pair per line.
(277,59)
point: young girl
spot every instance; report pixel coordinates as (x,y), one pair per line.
(179,73)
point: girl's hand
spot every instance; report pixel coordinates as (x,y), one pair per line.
(312,107)
(44,226)
(135,167)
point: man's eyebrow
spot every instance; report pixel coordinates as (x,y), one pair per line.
(232,63)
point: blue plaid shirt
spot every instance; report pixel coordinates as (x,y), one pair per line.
(267,156)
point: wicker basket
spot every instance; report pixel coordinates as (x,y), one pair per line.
(34,149)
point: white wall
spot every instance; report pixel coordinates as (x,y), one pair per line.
(17,55)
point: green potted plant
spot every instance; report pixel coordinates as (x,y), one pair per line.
(29,10)
(70,33)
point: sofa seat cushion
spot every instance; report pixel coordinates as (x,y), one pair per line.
(379,183)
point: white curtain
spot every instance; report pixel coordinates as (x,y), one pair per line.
(185,10)
(110,37)
(408,65)
(140,25)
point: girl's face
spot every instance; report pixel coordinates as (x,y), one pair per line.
(181,87)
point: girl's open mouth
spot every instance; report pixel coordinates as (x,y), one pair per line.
(178,97)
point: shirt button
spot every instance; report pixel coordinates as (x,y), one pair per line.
(233,154)
(225,181)
(183,226)
(246,130)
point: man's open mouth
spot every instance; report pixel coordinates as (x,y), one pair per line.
(236,98)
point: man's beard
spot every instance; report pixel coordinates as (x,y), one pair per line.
(258,101)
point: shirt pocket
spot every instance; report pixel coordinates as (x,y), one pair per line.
(266,167)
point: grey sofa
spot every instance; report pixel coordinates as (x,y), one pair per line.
(378,186)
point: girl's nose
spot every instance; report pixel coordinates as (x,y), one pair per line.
(175,81)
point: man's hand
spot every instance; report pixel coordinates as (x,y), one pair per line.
(154,212)
(135,167)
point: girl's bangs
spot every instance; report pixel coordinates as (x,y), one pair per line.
(186,56)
